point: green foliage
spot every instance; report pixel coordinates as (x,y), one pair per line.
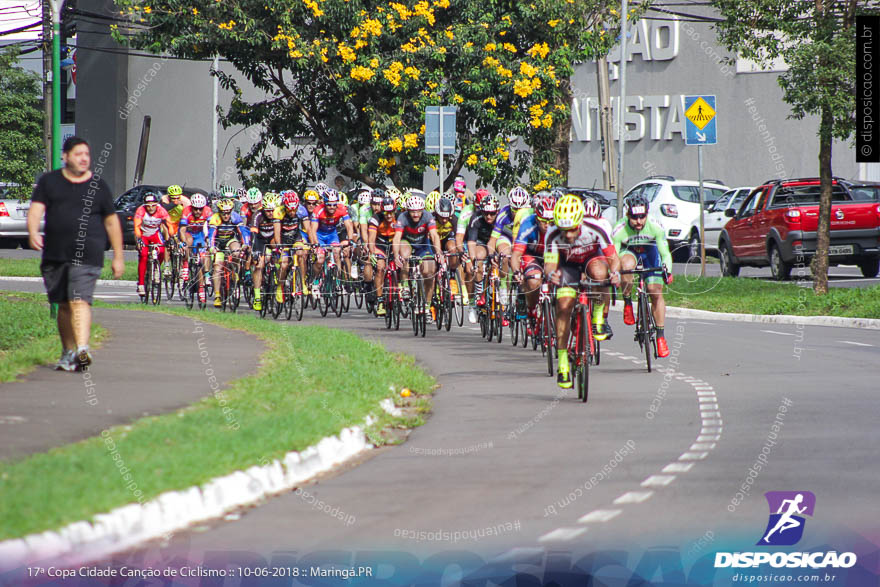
(346,82)
(21,125)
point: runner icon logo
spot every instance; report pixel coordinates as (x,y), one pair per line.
(786,524)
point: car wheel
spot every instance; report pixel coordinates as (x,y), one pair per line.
(694,245)
(8,243)
(870,267)
(728,267)
(778,268)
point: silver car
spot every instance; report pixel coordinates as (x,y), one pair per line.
(715,219)
(13,219)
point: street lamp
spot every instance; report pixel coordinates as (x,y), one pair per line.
(57,6)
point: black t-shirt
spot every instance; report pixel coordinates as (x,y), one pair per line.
(75,215)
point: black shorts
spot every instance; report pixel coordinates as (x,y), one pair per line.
(67,282)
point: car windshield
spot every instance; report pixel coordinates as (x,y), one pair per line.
(865,193)
(720,204)
(807,195)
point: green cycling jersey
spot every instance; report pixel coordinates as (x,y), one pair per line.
(626,237)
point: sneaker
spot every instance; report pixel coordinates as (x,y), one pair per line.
(258,304)
(67,362)
(600,330)
(184,273)
(453,286)
(142,291)
(505,321)
(662,348)
(563,379)
(406,295)
(380,309)
(83,357)
(217,302)
(202,295)
(279,294)
(472,315)
(629,317)
(166,272)
(481,300)
(609,333)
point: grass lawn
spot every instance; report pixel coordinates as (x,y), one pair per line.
(755,296)
(312,382)
(28,334)
(31,268)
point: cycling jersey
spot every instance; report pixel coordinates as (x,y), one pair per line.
(446,229)
(175,212)
(479,230)
(645,244)
(196,228)
(292,226)
(415,232)
(504,222)
(264,226)
(383,225)
(148,224)
(222,232)
(464,218)
(326,222)
(593,238)
(529,239)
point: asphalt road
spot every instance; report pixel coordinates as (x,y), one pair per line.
(504,449)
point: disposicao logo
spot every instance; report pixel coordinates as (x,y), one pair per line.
(785,528)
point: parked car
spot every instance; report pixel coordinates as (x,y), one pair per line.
(127,204)
(606,198)
(675,206)
(13,219)
(715,218)
(776,225)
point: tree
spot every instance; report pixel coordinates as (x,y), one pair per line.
(817,40)
(347,81)
(21,124)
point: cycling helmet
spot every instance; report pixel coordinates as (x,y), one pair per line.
(544,208)
(444,208)
(198,201)
(364,197)
(591,207)
(637,204)
(290,200)
(557,193)
(311,196)
(431,200)
(480,194)
(225,205)
(388,205)
(242,195)
(271,201)
(414,202)
(568,212)
(394,193)
(331,197)
(254,196)
(227,191)
(175,190)
(449,195)
(489,203)
(343,197)
(151,198)
(459,184)
(377,196)
(518,197)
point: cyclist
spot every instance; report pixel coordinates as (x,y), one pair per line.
(370,203)
(414,235)
(310,202)
(577,244)
(249,211)
(641,241)
(478,233)
(447,225)
(506,224)
(323,225)
(527,258)
(265,227)
(380,236)
(293,218)
(151,227)
(461,193)
(227,231)
(193,233)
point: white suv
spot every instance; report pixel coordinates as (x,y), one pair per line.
(675,206)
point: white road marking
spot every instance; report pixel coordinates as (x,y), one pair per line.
(855,343)
(705,399)
(702,446)
(705,393)
(711,430)
(708,437)
(627,358)
(693,456)
(710,415)
(658,480)
(562,534)
(599,516)
(677,468)
(633,497)
(612,353)
(705,407)
(779,333)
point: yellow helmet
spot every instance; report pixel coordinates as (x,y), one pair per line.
(175,190)
(343,197)
(271,200)
(225,205)
(568,212)
(431,201)
(311,196)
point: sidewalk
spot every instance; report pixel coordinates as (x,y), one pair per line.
(149,364)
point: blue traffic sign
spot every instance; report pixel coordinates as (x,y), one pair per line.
(432,129)
(700,120)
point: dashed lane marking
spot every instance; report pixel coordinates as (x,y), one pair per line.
(562,534)
(633,497)
(599,516)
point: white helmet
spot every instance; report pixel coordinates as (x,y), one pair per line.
(364,197)
(591,207)
(414,202)
(198,201)
(254,196)
(518,197)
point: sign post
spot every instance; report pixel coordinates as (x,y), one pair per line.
(699,113)
(440,135)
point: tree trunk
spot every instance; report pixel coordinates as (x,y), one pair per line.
(823,236)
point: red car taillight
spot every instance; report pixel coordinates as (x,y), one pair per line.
(669,210)
(3,211)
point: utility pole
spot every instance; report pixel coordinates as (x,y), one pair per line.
(46,47)
(621,106)
(609,170)
(56,83)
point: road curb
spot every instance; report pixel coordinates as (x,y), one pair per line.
(40,280)
(835,321)
(133,524)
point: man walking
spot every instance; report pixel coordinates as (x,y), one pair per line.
(80,216)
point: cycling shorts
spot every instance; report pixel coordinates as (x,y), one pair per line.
(647,256)
(226,244)
(328,238)
(531,265)
(423,250)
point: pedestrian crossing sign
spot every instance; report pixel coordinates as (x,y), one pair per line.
(700,113)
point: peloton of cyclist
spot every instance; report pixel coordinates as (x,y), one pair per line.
(527,258)
(380,237)
(414,235)
(477,236)
(193,233)
(227,231)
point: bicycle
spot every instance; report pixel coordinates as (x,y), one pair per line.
(190,286)
(646,328)
(417,297)
(444,299)
(294,302)
(583,348)
(170,280)
(548,326)
(393,296)
(153,276)
(230,282)
(492,311)
(517,315)
(270,305)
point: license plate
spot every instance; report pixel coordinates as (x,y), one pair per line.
(840,250)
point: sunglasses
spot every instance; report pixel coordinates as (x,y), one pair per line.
(638,216)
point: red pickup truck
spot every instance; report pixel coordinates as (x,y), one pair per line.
(776,226)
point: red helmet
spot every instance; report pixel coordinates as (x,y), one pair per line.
(480,194)
(544,209)
(290,199)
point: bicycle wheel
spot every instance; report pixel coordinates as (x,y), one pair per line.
(189,289)
(645,327)
(584,336)
(548,333)
(359,290)
(398,305)
(390,301)
(277,307)
(448,303)
(170,280)
(347,294)
(415,309)
(337,302)
(498,311)
(423,313)
(156,284)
